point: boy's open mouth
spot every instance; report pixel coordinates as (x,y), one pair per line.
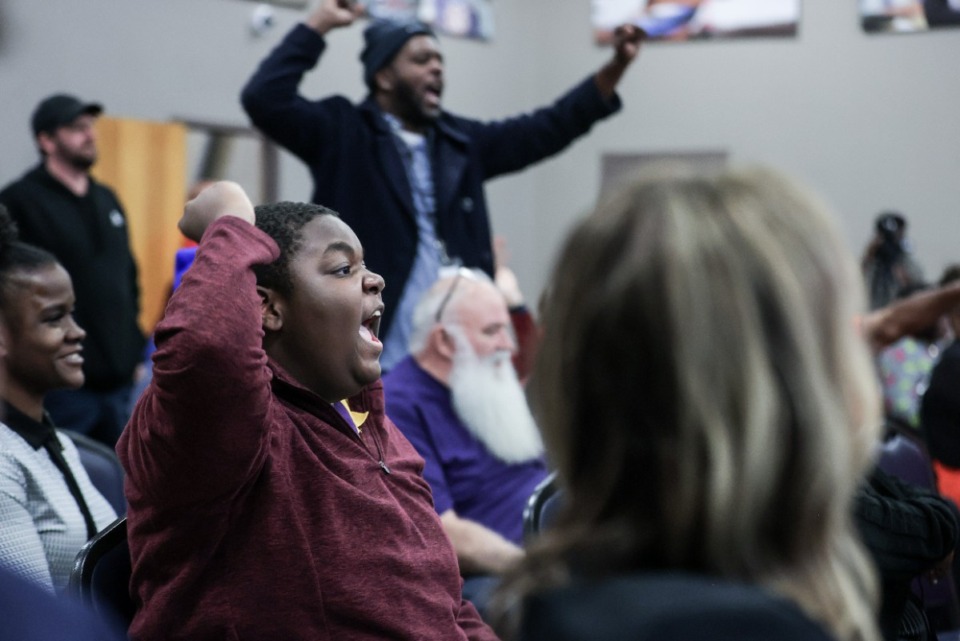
(370,328)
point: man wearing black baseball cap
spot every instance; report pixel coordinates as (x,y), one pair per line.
(60,110)
(58,206)
(406,175)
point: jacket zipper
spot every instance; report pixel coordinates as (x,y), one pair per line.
(376,441)
(383,464)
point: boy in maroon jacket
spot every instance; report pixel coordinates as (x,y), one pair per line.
(270,497)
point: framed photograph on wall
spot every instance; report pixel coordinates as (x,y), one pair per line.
(678,20)
(908,16)
(459,18)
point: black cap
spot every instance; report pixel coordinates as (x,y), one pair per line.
(890,221)
(384,38)
(59,110)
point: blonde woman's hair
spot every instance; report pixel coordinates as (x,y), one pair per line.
(705,396)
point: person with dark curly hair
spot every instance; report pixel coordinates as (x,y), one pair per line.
(270,497)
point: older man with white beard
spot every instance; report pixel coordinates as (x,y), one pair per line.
(457,398)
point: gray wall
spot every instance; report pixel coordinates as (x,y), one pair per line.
(869,122)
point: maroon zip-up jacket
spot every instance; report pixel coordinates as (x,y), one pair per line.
(256,512)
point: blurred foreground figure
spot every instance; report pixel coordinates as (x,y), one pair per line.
(709,407)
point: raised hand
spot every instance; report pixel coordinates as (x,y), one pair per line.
(332,14)
(626,42)
(220,199)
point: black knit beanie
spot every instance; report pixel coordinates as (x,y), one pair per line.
(384,38)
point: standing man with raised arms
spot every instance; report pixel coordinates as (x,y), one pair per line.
(406,175)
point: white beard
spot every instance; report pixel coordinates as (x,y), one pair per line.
(488,398)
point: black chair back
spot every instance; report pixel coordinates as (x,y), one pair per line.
(101,574)
(542,507)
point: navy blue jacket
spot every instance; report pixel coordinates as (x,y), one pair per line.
(357,169)
(30,613)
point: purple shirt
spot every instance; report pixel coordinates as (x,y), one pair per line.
(462,473)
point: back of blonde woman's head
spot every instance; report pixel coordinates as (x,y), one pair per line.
(704,394)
